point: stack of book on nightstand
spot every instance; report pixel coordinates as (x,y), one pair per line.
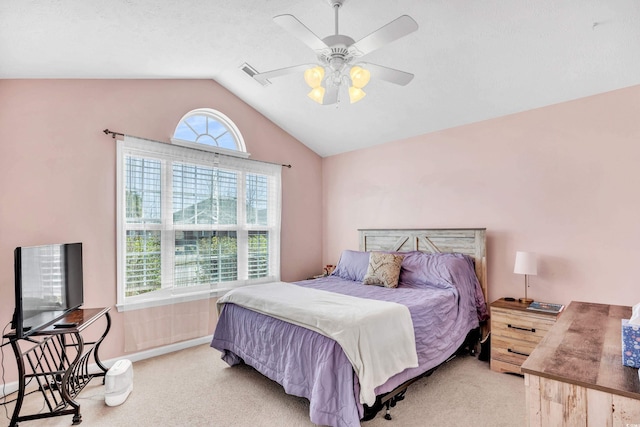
(547,307)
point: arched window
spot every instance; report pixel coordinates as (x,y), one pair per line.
(208,129)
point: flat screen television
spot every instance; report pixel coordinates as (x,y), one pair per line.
(49,284)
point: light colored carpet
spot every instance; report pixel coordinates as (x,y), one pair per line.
(193,387)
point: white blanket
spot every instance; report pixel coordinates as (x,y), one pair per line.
(376,336)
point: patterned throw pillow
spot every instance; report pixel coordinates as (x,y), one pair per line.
(384,269)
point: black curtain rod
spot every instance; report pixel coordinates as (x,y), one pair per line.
(113,135)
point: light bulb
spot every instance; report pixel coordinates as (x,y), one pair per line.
(359,76)
(317,94)
(313,76)
(356,94)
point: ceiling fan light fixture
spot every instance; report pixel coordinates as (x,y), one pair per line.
(313,76)
(337,53)
(317,94)
(359,76)
(356,94)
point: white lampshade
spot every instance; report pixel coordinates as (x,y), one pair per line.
(356,94)
(313,76)
(526,263)
(317,94)
(359,76)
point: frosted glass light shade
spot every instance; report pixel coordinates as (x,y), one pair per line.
(526,263)
(359,76)
(317,94)
(356,94)
(313,76)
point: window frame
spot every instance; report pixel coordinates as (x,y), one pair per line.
(242,167)
(226,122)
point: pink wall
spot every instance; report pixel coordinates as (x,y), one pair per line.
(57,172)
(562,181)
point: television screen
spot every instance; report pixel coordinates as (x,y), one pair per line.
(48,285)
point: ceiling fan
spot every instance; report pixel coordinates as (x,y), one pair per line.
(339,58)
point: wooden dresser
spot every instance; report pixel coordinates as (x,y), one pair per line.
(515,331)
(575,376)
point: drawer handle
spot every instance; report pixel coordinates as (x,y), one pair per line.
(521,329)
(517,352)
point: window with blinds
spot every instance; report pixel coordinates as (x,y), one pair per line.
(193,221)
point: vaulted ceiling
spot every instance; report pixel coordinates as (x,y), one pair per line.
(472,60)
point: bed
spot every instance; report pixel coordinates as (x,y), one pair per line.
(442,285)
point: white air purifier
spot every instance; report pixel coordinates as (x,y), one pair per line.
(118,382)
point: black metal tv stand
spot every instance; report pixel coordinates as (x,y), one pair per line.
(57,359)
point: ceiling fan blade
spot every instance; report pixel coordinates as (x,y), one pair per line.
(298,29)
(391,75)
(331,95)
(262,78)
(394,30)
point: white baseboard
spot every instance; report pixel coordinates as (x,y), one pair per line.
(159,351)
(12,387)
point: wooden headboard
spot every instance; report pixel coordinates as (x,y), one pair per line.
(468,241)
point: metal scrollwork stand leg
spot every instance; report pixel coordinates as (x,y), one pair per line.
(58,361)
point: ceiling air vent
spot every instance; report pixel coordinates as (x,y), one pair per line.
(252,72)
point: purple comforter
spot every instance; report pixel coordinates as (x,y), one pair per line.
(445,303)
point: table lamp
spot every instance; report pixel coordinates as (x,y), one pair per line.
(526,263)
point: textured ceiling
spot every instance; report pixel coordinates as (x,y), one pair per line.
(472,60)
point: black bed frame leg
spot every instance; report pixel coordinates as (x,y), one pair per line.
(387,415)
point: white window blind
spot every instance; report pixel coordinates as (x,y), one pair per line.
(192,222)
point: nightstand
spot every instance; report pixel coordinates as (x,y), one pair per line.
(515,332)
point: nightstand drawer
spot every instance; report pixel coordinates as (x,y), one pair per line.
(519,325)
(510,350)
(515,332)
